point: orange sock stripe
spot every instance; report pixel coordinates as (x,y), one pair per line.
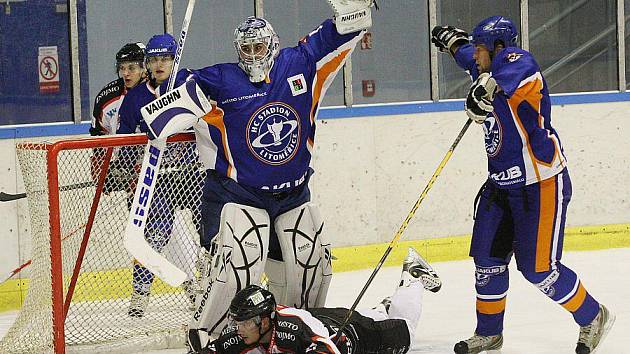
(577,300)
(491,307)
(545,224)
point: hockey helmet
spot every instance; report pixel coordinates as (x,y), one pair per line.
(252,302)
(161,44)
(130,52)
(493,29)
(257,46)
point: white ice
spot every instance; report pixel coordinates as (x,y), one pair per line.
(533,323)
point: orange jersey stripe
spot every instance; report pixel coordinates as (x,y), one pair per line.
(522,94)
(577,300)
(215,118)
(545,224)
(491,307)
(531,93)
(321,76)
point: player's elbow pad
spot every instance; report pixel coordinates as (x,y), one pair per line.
(175,110)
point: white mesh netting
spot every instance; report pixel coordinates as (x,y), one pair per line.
(110,286)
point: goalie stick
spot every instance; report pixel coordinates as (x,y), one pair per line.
(135,242)
(403,226)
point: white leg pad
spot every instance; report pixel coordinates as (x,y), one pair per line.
(303,278)
(240,251)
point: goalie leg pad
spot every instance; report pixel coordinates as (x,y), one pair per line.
(239,254)
(302,279)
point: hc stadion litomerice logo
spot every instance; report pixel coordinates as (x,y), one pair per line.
(493,135)
(273,133)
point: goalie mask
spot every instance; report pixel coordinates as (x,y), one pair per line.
(257,45)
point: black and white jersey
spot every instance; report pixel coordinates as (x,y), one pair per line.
(106,106)
(294,331)
(310,332)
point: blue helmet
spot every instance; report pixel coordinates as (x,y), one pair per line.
(493,29)
(161,44)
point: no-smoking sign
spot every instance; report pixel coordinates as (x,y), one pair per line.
(48,69)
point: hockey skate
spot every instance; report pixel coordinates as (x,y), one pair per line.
(191,291)
(594,333)
(477,344)
(138,304)
(415,267)
(384,305)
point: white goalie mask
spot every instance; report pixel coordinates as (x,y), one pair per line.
(257,45)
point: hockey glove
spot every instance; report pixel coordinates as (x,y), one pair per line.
(480,97)
(444,37)
(352,15)
(175,111)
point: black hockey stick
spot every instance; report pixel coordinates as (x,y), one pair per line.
(7,197)
(402,228)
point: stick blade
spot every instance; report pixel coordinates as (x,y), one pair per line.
(142,251)
(6,197)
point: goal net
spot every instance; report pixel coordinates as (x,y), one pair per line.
(86,293)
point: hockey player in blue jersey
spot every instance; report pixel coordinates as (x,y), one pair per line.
(521,209)
(256,145)
(179,172)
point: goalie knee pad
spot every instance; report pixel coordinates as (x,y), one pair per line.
(302,279)
(239,252)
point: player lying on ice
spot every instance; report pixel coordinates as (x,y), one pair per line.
(259,325)
(255,144)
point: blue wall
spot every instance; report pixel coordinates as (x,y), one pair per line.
(32,24)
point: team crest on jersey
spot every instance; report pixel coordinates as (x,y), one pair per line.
(273,133)
(493,134)
(512,57)
(297,84)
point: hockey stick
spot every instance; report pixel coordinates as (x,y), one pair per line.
(7,197)
(404,225)
(135,242)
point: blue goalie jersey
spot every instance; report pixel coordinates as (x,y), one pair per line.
(261,135)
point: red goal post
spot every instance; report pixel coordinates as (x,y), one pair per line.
(80,280)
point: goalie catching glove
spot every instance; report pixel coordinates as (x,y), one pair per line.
(480,97)
(175,110)
(445,37)
(352,15)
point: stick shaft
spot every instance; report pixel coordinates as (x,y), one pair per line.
(7,197)
(404,225)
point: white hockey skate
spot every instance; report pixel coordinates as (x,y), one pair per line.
(138,304)
(478,344)
(191,290)
(415,267)
(594,333)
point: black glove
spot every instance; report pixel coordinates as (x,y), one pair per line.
(118,177)
(480,97)
(444,37)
